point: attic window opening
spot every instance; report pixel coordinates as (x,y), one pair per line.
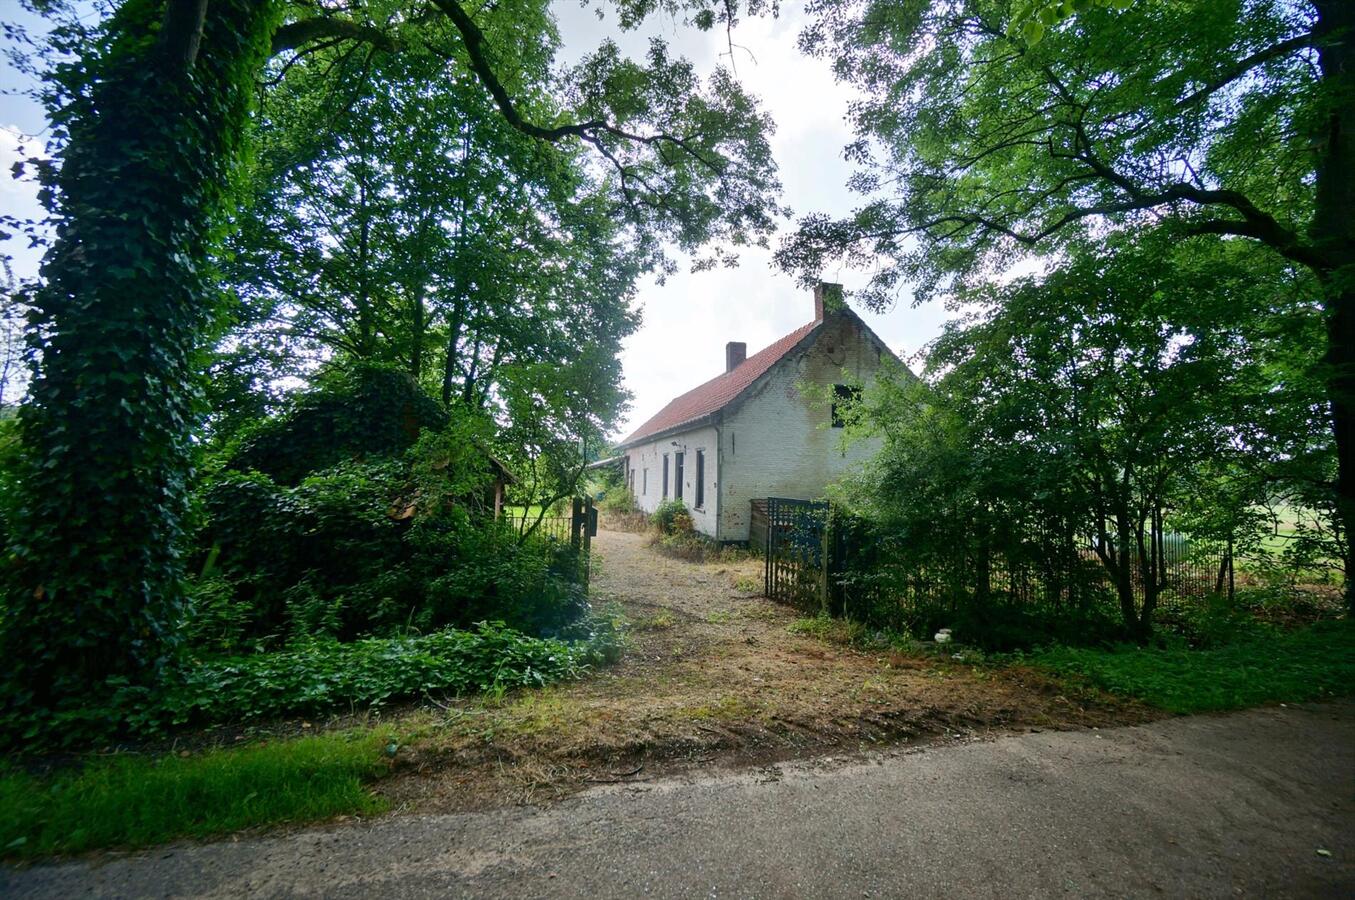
(844,395)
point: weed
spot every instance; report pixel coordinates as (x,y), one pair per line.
(1307,664)
(133,801)
(835,631)
(660,621)
(726,708)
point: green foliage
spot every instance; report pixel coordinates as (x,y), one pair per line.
(328,558)
(834,630)
(992,132)
(375,519)
(671,517)
(134,801)
(10,450)
(320,675)
(1309,664)
(985,147)
(1144,380)
(353,411)
(151,129)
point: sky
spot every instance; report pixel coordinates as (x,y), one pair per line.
(688,319)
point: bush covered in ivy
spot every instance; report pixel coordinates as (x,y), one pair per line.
(362,512)
(328,540)
(357,411)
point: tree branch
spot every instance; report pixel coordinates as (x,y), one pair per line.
(181,32)
(1243,66)
(476,45)
(302,32)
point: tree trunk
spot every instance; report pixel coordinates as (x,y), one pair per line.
(1333,233)
(418,324)
(122,322)
(1124,571)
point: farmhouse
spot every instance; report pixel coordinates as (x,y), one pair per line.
(752,432)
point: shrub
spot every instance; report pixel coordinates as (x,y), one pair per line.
(335,556)
(354,412)
(10,448)
(325,675)
(672,517)
(617,498)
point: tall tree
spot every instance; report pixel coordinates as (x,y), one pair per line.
(1105,399)
(1231,116)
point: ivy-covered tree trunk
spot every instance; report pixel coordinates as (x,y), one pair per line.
(1333,233)
(154,131)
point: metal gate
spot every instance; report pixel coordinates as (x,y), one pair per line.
(796,551)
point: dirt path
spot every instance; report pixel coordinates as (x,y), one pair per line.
(714,677)
(1253,804)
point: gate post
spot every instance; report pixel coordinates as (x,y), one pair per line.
(824,563)
(576,525)
(590,520)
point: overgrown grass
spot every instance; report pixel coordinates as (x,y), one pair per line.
(831,629)
(134,801)
(1308,664)
(694,547)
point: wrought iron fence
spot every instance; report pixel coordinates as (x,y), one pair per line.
(575,531)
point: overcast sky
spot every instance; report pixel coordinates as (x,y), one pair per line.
(688,319)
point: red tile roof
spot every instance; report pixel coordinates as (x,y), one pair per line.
(721,390)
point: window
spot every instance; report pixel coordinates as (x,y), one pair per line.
(644,482)
(665,476)
(844,395)
(677,475)
(700,479)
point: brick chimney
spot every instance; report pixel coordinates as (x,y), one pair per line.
(735,353)
(827,298)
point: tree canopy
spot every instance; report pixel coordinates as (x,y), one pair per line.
(982,143)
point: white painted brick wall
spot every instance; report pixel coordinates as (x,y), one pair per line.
(778,443)
(650,456)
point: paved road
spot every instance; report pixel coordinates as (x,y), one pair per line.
(1210,806)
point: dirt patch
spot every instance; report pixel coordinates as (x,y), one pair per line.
(714,677)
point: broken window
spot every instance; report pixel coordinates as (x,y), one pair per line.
(844,395)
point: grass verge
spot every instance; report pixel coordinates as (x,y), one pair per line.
(1312,663)
(133,801)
